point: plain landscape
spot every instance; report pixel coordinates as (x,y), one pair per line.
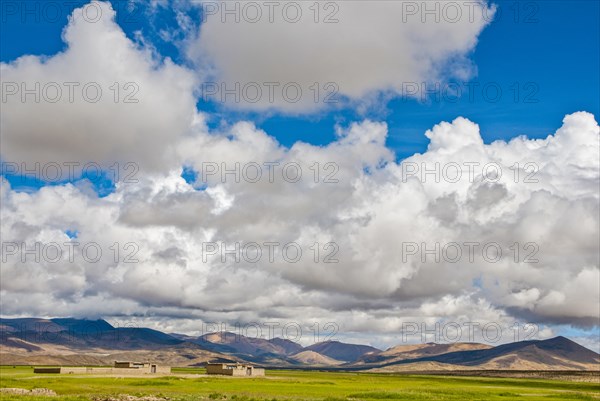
(192,384)
(556,368)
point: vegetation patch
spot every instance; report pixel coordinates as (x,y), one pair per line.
(376,396)
(152,383)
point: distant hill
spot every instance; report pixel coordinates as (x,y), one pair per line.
(185,354)
(35,341)
(341,351)
(557,353)
(81,334)
(415,351)
(315,359)
(239,344)
(68,341)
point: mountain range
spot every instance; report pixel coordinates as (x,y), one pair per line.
(68,341)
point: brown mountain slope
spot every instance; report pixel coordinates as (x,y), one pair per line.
(178,355)
(415,351)
(342,351)
(534,358)
(80,334)
(557,353)
(315,359)
(421,367)
(240,345)
(50,359)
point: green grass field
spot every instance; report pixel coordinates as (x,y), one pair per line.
(295,385)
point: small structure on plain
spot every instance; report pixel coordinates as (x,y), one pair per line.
(120,367)
(233,369)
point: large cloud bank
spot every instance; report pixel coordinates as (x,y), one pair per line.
(373,209)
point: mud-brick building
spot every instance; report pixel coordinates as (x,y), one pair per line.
(233,369)
(119,367)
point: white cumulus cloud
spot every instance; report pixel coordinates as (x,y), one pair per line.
(103,100)
(351,50)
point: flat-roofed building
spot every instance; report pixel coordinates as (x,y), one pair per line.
(119,367)
(233,369)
